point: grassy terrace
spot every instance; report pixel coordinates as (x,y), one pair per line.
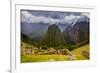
(77,53)
(43,58)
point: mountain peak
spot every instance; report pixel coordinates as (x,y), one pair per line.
(83,18)
(53,37)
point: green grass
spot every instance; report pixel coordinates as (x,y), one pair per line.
(78,52)
(46,58)
(42,58)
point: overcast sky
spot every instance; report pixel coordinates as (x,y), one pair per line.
(50,17)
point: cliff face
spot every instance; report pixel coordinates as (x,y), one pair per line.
(53,37)
(78,33)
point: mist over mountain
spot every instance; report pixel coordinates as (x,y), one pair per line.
(35,24)
(35,31)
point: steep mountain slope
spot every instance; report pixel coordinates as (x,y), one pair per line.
(53,37)
(79,32)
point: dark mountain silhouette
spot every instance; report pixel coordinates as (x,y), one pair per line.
(66,35)
(53,37)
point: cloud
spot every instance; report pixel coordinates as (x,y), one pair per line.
(69,19)
(25,16)
(28,17)
(85,14)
